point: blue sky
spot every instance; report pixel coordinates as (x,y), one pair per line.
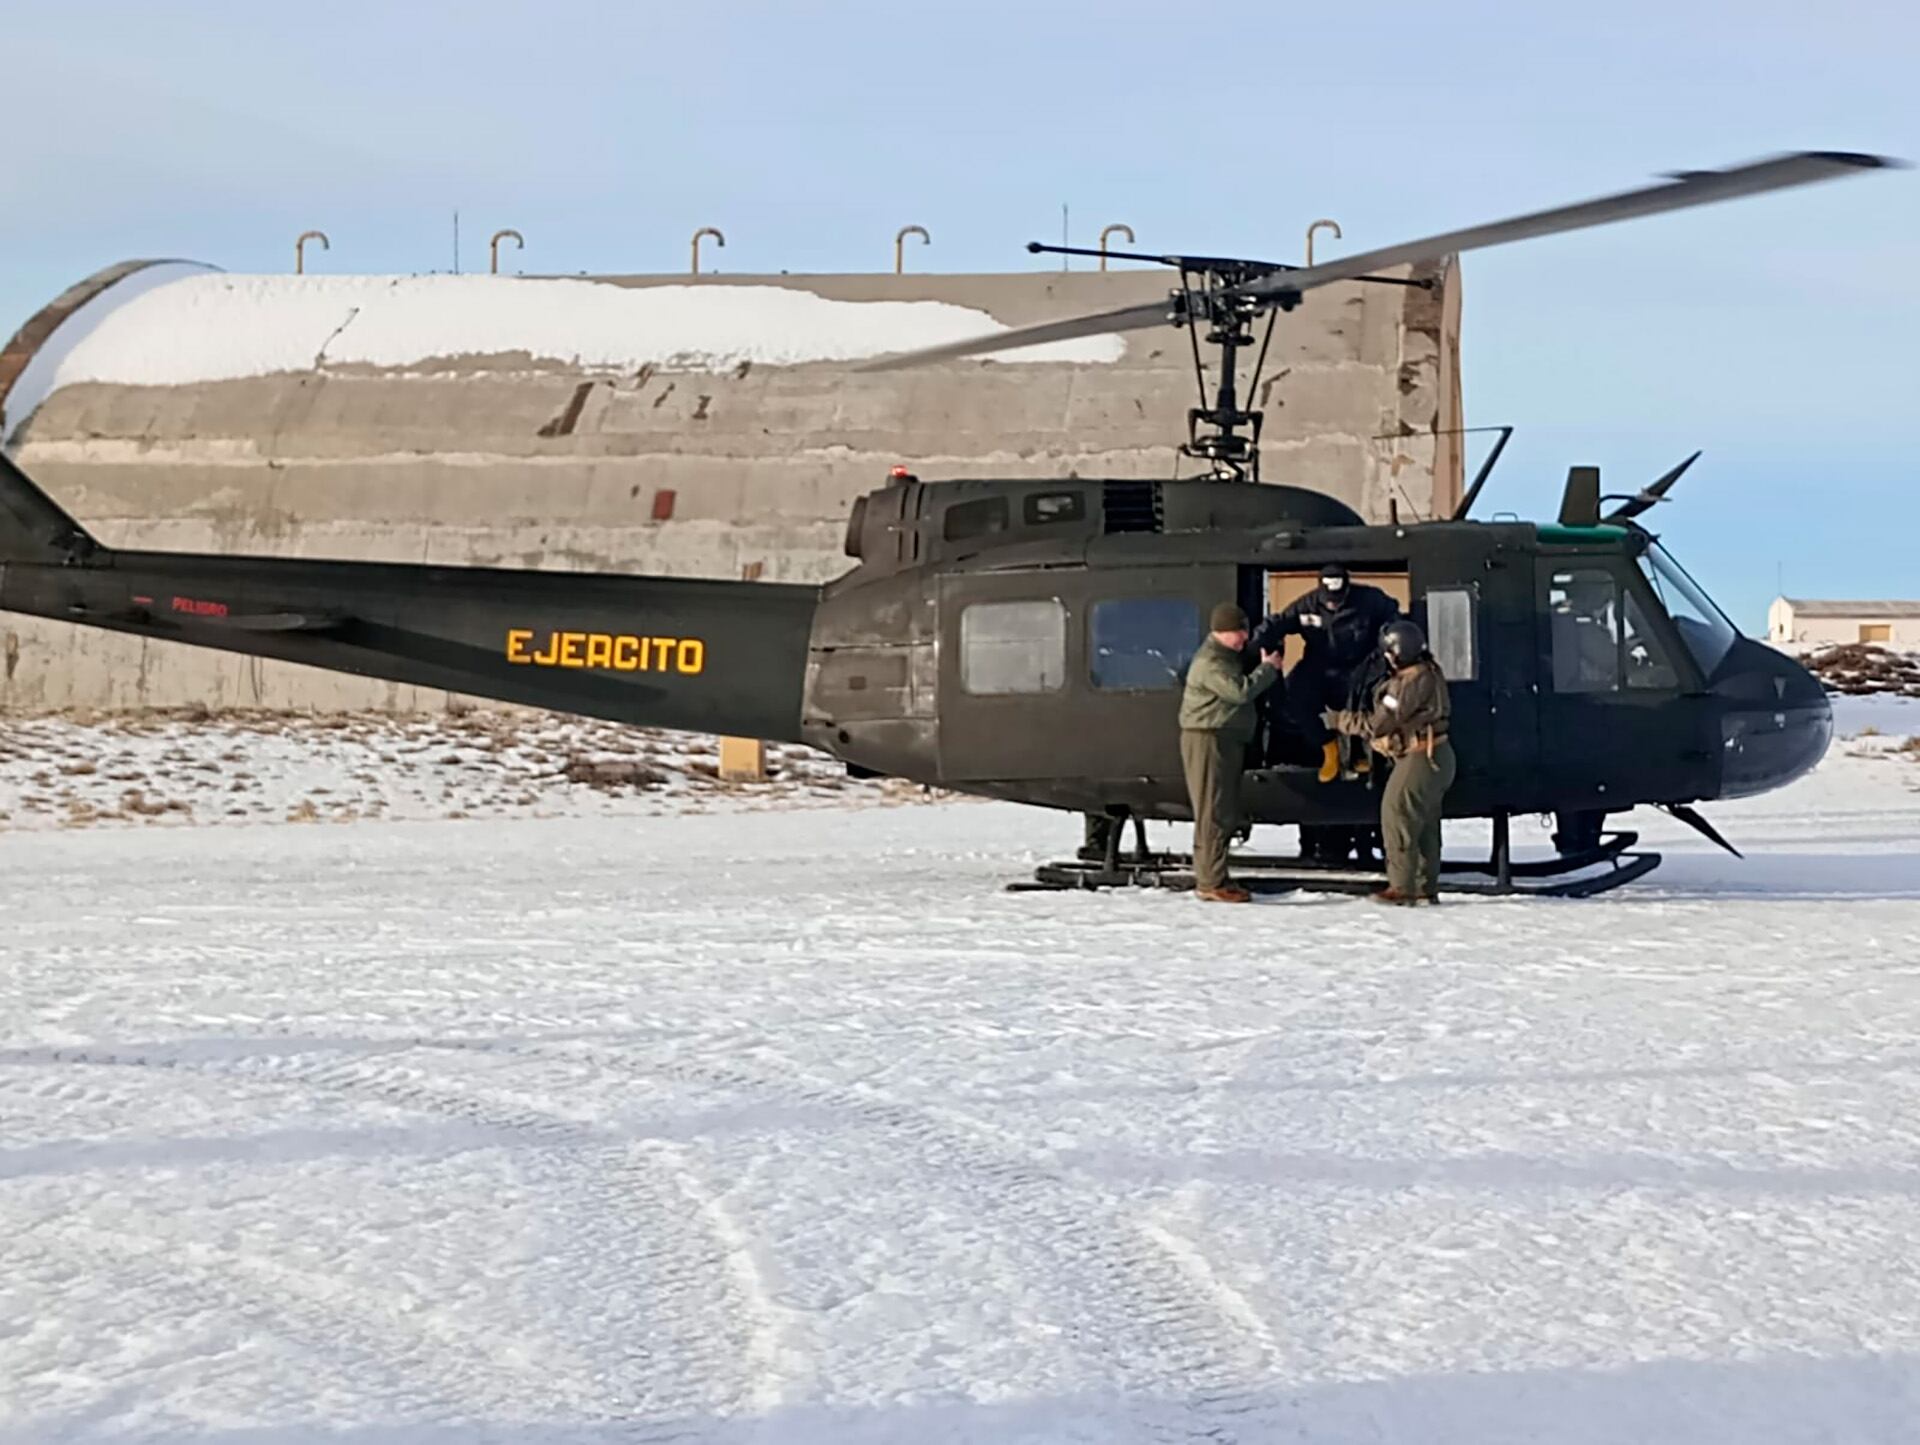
(1778,333)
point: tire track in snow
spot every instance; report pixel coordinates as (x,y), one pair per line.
(188,1280)
(636,1273)
(1138,1304)
(703,1265)
(767,1341)
(1139,1309)
(1159,1226)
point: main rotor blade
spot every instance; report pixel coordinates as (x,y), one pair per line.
(1692,188)
(1127,318)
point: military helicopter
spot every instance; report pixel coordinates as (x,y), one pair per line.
(1025,639)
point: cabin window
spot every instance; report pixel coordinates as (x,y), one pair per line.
(1450,632)
(980,518)
(1583,605)
(1054,507)
(1143,644)
(1013,647)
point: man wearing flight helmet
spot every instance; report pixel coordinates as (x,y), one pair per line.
(1408,721)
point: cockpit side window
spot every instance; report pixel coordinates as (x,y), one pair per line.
(1583,603)
(1702,626)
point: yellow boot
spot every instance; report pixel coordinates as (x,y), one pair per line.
(1330,761)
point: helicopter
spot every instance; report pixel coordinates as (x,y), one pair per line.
(1026,639)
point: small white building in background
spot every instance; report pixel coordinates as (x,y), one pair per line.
(1804,622)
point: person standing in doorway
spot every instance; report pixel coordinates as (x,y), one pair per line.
(1216,724)
(1339,624)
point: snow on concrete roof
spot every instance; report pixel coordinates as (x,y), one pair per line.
(43,372)
(182,326)
(1814,607)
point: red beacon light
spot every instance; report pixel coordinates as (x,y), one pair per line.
(900,474)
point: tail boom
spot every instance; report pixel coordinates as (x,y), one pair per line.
(699,656)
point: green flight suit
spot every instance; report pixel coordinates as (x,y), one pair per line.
(1217,720)
(1408,723)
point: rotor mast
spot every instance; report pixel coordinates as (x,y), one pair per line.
(1224,434)
(1213,432)
(1217,292)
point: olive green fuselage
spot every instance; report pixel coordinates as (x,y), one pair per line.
(1023,640)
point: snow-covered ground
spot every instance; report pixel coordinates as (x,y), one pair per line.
(790,1125)
(258,767)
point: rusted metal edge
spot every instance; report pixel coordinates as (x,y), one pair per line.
(39,327)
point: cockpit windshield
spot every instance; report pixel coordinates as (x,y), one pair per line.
(1702,626)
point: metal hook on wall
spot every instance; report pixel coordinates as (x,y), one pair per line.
(300,249)
(1333,226)
(1116,226)
(493,248)
(718,240)
(900,245)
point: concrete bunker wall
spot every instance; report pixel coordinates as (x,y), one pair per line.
(667,467)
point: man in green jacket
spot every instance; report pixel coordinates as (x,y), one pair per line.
(1216,724)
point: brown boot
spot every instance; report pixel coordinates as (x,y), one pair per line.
(1330,761)
(1225,893)
(1394,897)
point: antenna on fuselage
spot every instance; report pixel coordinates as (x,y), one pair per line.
(1486,468)
(1580,503)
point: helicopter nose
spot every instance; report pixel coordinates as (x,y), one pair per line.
(1775,720)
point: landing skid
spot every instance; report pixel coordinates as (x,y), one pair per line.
(1579,875)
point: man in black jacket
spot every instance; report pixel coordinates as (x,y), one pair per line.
(1339,624)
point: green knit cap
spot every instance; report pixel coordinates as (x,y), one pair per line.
(1227,617)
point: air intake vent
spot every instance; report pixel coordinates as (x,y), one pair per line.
(1132,506)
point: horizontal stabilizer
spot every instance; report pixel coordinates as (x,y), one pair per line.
(282,621)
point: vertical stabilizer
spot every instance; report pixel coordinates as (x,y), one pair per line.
(32,526)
